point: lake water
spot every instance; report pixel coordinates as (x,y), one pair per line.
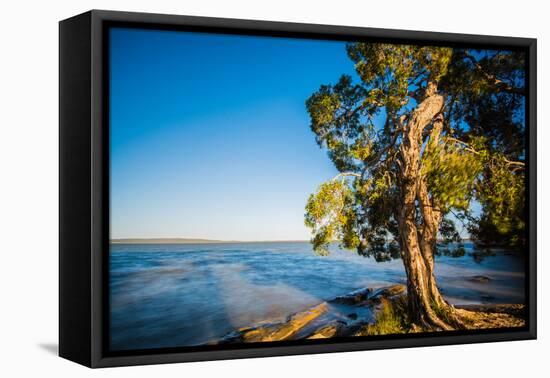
(182,295)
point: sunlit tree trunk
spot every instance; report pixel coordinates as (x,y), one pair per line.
(419,220)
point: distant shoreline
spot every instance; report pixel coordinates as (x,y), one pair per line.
(195,241)
(204,241)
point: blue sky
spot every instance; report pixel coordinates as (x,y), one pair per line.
(209,133)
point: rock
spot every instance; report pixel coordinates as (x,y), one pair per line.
(479,279)
(277,331)
(342,316)
(329,330)
(388,292)
(517,310)
(359,296)
(353,298)
(493,316)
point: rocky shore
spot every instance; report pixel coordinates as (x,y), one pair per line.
(365,312)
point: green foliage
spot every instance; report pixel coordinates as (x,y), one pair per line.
(451,242)
(330,215)
(391,320)
(451,172)
(502,194)
(391,70)
(448,231)
(488,89)
(377,224)
(335,123)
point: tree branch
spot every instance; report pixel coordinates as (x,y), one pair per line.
(464,225)
(466,146)
(345,174)
(469,148)
(378,156)
(492,79)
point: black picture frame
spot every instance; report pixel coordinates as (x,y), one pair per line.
(84,187)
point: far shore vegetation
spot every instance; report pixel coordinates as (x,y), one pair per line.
(195,241)
(204,241)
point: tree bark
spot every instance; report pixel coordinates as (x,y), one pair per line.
(427,308)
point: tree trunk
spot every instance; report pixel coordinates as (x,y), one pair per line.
(427,308)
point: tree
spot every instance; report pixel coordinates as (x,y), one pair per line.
(419,135)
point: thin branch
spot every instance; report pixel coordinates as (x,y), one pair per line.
(459,218)
(378,156)
(469,148)
(466,146)
(346,174)
(492,79)
(517,163)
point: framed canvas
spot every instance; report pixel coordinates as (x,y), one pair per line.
(234,188)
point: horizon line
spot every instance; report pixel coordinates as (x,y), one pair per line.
(196,241)
(206,241)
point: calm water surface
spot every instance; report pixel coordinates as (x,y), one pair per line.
(180,295)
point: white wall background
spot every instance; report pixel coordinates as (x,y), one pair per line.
(29,186)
